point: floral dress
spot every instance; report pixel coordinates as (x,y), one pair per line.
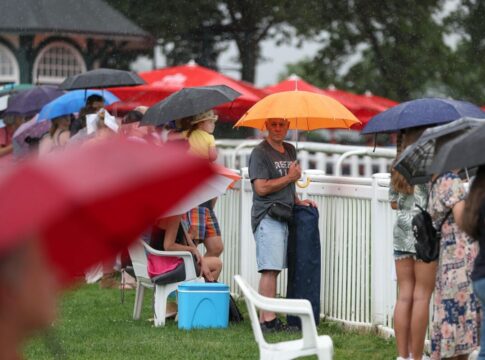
(456,318)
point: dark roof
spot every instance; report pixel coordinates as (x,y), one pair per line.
(93,17)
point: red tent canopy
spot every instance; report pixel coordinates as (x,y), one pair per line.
(164,82)
(362,106)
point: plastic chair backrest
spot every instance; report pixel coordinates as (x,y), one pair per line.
(250,297)
(139,260)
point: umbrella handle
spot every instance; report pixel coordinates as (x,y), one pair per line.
(304,184)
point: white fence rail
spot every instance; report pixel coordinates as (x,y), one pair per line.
(356,237)
(358,160)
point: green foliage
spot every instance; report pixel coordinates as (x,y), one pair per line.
(94,325)
(396,50)
(201,30)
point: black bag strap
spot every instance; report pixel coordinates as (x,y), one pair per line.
(427,202)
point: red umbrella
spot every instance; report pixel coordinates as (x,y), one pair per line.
(166,81)
(380,100)
(89,203)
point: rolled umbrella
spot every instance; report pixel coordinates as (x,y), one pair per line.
(87,204)
(464,152)
(102,78)
(72,102)
(30,102)
(416,159)
(421,112)
(188,102)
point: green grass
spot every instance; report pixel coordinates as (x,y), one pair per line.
(94,325)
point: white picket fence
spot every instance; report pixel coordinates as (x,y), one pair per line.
(356,237)
(333,159)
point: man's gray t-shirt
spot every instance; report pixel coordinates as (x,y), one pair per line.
(267,163)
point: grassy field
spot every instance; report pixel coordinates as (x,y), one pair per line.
(95,325)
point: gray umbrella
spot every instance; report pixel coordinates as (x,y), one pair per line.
(102,78)
(188,102)
(465,152)
(415,161)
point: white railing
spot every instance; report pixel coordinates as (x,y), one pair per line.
(356,236)
(358,160)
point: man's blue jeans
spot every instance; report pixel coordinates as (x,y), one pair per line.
(479,289)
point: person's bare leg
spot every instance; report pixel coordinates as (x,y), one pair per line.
(213,246)
(267,287)
(404,305)
(425,275)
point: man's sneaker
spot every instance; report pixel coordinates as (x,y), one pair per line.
(276,325)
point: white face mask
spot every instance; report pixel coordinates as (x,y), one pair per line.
(92,121)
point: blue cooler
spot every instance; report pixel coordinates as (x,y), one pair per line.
(203,305)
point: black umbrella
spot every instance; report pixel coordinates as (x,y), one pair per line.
(102,78)
(464,152)
(188,102)
(415,161)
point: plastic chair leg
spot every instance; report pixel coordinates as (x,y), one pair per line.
(160,304)
(140,292)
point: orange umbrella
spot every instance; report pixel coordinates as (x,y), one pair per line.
(304,110)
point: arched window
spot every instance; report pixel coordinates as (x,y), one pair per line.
(55,62)
(9,69)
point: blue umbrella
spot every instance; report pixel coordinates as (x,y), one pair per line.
(421,112)
(72,102)
(29,102)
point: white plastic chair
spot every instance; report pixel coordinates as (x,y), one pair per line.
(309,344)
(139,260)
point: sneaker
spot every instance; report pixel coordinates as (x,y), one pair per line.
(276,325)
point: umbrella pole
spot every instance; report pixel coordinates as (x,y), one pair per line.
(467,175)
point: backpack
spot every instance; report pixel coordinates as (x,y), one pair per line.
(235,315)
(426,235)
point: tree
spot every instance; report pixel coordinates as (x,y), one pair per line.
(465,75)
(397,51)
(201,30)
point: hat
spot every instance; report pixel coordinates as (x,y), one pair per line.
(207,115)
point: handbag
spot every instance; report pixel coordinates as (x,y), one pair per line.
(281,211)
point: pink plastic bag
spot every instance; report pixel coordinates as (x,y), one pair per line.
(158,265)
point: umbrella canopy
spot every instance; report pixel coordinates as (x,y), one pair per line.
(30,129)
(89,203)
(72,102)
(304,110)
(29,102)
(164,82)
(466,151)
(421,112)
(6,91)
(416,159)
(217,185)
(188,102)
(362,107)
(102,78)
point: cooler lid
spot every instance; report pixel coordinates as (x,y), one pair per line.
(194,286)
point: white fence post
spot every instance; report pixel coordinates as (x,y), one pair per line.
(380,272)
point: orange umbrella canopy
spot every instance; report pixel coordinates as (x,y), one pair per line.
(304,110)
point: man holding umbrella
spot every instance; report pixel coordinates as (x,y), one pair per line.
(273,171)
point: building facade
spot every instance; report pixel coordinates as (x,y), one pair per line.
(43,41)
